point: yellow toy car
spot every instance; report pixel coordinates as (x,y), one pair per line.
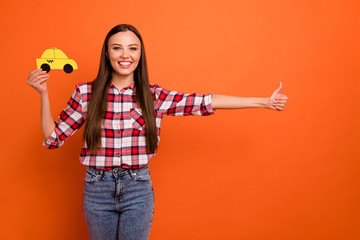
(54,58)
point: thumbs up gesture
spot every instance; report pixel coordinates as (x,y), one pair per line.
(277,101)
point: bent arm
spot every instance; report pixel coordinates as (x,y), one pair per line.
(47,121)
(70,119)
(68,122)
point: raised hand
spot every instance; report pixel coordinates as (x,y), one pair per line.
(277,101)
(37,79)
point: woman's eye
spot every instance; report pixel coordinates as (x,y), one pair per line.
(116,48)
(134,49)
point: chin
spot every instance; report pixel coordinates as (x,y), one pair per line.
(123,73)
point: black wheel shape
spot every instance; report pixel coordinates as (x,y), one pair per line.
(68,68)
(45,67)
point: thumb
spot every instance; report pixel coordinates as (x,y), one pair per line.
(278,89)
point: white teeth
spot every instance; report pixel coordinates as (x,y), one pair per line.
(125,63)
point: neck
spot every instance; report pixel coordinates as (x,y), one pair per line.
(121,81)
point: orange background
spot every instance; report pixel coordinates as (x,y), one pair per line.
(239,174)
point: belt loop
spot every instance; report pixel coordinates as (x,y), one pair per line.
(132,173)
(99,174)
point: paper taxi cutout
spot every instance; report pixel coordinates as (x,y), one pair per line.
(54,58)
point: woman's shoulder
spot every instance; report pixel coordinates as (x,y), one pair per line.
(84,87)
(153,86)
(84,84)
(156,90)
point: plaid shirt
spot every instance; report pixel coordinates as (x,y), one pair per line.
(122,132)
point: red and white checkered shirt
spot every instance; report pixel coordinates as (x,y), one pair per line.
(122,132)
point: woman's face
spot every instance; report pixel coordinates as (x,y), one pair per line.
(124,52)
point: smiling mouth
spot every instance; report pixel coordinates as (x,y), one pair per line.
(124,63)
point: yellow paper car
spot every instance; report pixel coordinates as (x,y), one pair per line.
(54,58)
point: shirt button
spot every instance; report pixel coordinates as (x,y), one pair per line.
(117,154)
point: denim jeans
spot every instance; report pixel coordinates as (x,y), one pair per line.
(118,203)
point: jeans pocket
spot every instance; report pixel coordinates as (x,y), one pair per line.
(143,176)
(90,177)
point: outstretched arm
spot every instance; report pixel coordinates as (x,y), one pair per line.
(276,101)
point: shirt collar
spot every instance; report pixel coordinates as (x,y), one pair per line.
(132,85)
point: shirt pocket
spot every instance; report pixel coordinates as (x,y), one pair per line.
(137,120)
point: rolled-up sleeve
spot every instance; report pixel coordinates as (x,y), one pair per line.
(181,104)
(68,122)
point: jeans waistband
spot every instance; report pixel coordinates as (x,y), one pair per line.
(115,171)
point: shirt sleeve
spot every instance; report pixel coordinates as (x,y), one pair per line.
(68,122)
(180,104)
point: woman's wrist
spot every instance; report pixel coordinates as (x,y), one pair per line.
(44,94)
(267,103)
(260,102)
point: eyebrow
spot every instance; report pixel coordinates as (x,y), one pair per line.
(121,45)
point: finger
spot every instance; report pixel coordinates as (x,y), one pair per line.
(276,101)
(36,71)
(41,81)
(40,85)
(40,72)
(280,102)
(35,74)
(280,95)
(279,105)
(37,79)
(279,88)
(279,108)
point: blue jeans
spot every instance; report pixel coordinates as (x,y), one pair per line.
(118,203)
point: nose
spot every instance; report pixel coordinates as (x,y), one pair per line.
(124,54)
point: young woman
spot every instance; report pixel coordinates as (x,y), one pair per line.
(122,114)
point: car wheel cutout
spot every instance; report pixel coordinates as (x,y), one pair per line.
(45,67)
(68,68)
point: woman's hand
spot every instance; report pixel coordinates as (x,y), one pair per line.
(37,79)
(277,101)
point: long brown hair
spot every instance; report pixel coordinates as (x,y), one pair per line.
(98,100)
